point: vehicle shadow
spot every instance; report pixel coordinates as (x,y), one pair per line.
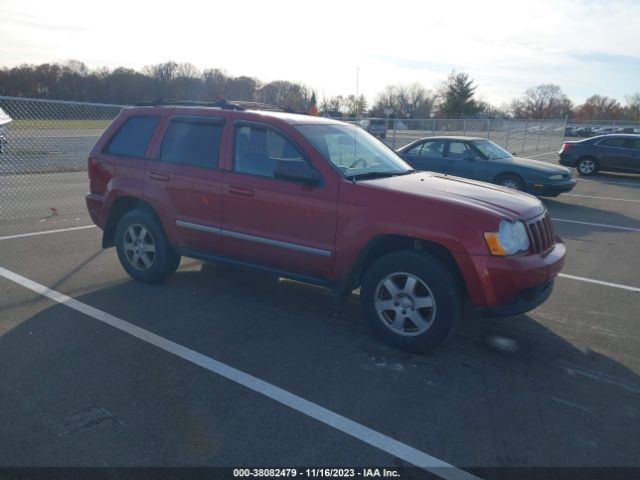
(631,180)
(580,213)
(501,392)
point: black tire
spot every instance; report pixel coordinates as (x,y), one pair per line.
(156,265)
(441,286)
(587,166)
(511,180)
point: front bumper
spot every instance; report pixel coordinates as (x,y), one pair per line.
(515,284)
(525,301)
(552,189)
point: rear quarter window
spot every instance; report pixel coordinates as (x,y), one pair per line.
(132,139)
(614,142)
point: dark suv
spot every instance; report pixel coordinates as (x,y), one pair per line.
(321,201)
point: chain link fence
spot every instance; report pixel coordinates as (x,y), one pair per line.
(520,137)
(45,146)
(44,149)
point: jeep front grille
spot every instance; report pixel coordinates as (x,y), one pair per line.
(541,234)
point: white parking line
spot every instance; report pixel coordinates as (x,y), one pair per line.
(604,225)
(313,410)
(45,232)
(600,282)
(600,198)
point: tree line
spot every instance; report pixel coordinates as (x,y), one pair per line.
(455,97)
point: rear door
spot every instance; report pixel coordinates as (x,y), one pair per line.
(614,153)
(184,184)
(633,160)
(274,222)
(427,155)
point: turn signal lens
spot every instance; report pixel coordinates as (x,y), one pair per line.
(494,244)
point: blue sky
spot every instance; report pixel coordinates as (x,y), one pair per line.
(585,46)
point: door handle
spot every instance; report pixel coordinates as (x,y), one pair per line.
(163,177)
(242,191)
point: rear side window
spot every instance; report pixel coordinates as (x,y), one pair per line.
(192,141)
(133,137)
(633,143)
(614,142)
(429,148)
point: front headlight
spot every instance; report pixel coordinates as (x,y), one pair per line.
(510,238)
(555,177)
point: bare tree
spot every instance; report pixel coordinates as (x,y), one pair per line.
(406,101)
(289,95)
(332,104)
(241,88)
(632,106)
(355,106)
(599,107)
(542,101)
(214,82)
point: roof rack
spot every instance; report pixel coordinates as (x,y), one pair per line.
(224,104)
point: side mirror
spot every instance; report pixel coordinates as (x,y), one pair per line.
(297,170)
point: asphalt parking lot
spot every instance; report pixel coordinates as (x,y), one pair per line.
(223,367)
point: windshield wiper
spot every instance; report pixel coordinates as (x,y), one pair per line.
(370,175)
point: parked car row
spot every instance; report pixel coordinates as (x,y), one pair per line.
(585,131)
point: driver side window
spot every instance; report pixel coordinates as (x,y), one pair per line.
(257,150)
(457,150)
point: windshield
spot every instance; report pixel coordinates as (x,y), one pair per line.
(491,150)
(353,151)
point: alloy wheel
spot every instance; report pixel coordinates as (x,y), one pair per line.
(139,247)
(405,304)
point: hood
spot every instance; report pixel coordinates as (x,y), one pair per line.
(540,166)
(499,200)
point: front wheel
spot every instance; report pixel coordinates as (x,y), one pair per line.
(143,248)
(412,300)
(511,181)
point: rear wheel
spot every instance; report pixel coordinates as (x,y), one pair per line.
(587,166)
(143,248)
(412,300)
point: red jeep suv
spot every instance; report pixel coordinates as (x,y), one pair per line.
(321,201)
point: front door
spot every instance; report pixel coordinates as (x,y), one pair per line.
(462,160)
(286,225)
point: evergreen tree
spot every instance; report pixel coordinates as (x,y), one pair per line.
(457,96)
